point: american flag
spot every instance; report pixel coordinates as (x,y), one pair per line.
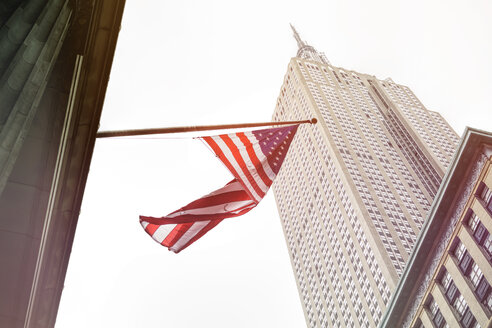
(254,159)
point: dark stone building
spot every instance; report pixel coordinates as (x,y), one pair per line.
(55,60)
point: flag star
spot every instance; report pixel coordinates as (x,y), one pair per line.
(271,133)
(282,147)
(275,164)
(276,158)
(274,143)
(277,138)
(269,153)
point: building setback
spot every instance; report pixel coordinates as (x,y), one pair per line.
(355,188)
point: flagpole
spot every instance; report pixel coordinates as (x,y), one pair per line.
(178,129)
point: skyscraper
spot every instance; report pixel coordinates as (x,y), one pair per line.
(355,188)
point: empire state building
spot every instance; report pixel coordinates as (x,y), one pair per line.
(355,188)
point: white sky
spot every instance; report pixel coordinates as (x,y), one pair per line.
(212,62)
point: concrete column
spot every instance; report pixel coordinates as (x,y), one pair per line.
(488,177)
(426,320)
(482,213)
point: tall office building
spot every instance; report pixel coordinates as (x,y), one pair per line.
(355,188)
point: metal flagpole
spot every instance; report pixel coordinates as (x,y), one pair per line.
(140,132)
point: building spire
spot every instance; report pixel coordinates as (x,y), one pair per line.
(300,43)
(306,51)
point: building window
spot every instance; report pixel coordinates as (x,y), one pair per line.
(488,301)
(452,292)
(464,258)
(465,263)
(435,314)
(460,305)
(438,320)
(419,324)
(459,251)
(468,320)
(485,195)
(465,316)
(475,275)
(450,289)
(482,290)
(473,221)
(487,245)
(446,280)
(480,233)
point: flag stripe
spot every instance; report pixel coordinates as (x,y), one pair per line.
(239,173)
(207,201)
(182,229)
(255,160)
(218,151)
(203,231)
(209,210)
(185,218)
(162,231)
(242,165)
(192,231)
(248,163)
(151,228)
(229,156)
(176,234)
(232,185)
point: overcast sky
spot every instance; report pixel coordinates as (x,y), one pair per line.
(211,62)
